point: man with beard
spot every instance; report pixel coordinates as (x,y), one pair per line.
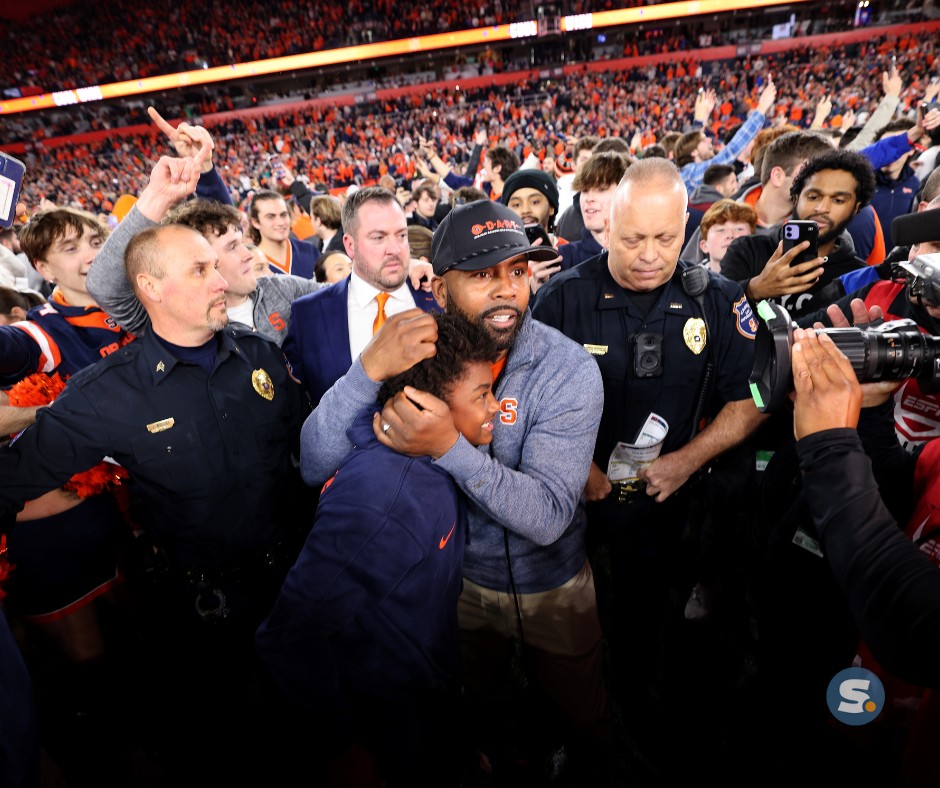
(829,190)
(330,328)
(526,575)
(202,415)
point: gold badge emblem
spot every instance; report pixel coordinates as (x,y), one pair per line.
(261,381)
(596,350)
(160,367)
(694,334)
(161,426)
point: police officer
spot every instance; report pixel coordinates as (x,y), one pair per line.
(202,416)
(674,344)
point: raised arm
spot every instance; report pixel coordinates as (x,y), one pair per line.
(171,181)
(892,84)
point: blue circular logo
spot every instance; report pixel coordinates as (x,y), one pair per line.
(855,696)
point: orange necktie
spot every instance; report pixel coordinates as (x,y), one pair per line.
(381,298)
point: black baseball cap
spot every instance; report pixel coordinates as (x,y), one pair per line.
(917,228)
(481,235)
(531,179)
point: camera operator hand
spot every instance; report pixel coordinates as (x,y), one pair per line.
(780,278)
(873,394)
(861,315)
(828,395)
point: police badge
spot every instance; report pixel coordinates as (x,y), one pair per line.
(694,334)
(261,381)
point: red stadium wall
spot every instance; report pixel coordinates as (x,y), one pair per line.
(704,55)
(17,10)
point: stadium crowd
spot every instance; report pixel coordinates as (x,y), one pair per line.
(414,443)
(162,37)
(336,147)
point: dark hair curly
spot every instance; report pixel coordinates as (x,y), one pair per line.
(459,343)
(206,217)
(849,161)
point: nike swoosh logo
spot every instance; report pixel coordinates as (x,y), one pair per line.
(446,539)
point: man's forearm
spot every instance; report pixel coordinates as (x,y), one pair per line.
(323,441)
(439,166)
(879,118)
(734,422)
(14,419)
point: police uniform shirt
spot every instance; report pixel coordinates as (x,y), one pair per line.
(209,453)
(587,305)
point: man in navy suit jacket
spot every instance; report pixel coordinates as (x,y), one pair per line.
(329,328)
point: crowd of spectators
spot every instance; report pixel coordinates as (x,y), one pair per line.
(33,127)
(161,36)
(339,146)
(562,217)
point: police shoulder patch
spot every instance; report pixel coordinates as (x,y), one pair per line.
(745,321)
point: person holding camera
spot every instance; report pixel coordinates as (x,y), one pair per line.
(888,575)
(533,194)
(913,293)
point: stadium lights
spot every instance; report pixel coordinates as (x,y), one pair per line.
(355,54)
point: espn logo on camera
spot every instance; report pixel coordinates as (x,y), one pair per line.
(855,696)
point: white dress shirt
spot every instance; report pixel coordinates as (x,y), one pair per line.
(363,308)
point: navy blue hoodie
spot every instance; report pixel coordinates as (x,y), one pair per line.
(368,614)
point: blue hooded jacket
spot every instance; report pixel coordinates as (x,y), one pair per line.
(369,611)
